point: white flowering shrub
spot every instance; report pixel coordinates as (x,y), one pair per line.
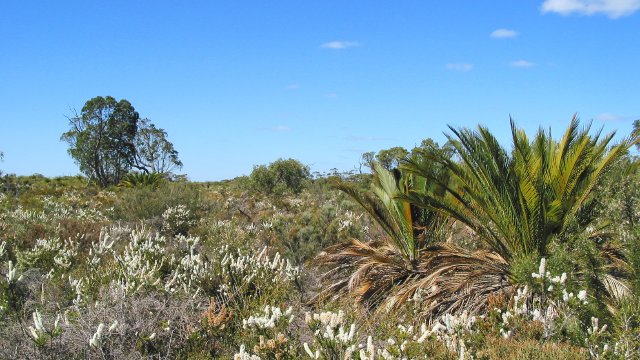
(42,334)
(334,336)
(72,205)
(162,284)
(348,220)
(177,220)
(247,277)
(271,318)
(11,287)
(51,255)
(547,302)
(69,206)
(269,331)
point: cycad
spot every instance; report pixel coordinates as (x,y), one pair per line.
(517,201)
(369,271)
(393,215)
(135,179)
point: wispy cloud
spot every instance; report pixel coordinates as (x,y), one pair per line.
(359,138)
(281,128)
(293,86)
(339,45)
(607,116)
(459,66)
(331,95)
(612,8)
(277,128)
(504,34)
(522,64)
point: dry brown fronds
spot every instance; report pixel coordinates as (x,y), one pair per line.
(443,279)
(449,279)
(366,271)
(217,315)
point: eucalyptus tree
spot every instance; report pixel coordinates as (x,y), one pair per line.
(154,152)
(392,157)
(108,139)
(101,139)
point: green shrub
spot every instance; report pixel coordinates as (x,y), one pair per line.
(280,176)
(145,203)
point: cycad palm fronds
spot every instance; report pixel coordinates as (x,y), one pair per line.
(392,214)
(371,271)
(449,279)
(516,201)
(132,180)
(367,272)
(446,279)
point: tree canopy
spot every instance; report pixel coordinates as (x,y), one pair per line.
(107,139)
(154,153)
(101,139)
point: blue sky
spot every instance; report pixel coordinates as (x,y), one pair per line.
(239,83)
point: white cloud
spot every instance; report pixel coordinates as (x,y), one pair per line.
(504,34)
(612,8)
(281,128)
(278,128)
(459,66)
(331,95)
(293,86)
(522,64)
(609,117)
(339,45)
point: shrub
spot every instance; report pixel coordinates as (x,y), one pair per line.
(280,176)
(148,203)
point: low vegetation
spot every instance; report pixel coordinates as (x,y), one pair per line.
(467,250)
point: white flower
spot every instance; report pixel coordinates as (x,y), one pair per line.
(537,315)
(11,274)
(311,354)
(34,333)
(37,321)
(95,339)
(243,355)
(582,295)
(542,268)
(370,348)
(113,326)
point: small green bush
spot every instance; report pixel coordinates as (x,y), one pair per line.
(280,176)
(145,203)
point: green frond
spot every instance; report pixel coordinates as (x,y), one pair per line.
(516,201)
